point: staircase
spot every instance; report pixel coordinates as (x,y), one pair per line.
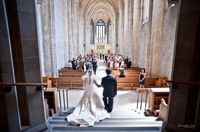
(120,120)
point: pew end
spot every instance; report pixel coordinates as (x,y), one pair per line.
(163,108)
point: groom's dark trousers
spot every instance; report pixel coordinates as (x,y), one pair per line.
(108,103)
(109,92)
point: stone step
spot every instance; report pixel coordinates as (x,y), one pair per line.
(114,118)
(60,128)
(120,120)
(124,123)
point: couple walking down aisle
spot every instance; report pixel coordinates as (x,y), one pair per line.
(90,108)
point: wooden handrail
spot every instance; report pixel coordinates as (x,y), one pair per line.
(182,82)
(8,86)
(23,84)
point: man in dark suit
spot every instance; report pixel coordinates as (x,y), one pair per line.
(109,84)
(94,64)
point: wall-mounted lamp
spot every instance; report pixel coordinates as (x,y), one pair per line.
(172,3)
(116,45)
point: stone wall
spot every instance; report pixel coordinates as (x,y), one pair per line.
(149,44)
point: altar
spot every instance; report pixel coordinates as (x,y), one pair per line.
(100,48)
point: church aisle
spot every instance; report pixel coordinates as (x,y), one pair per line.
(125,99)
(124,116)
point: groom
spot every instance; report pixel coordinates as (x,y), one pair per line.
(109,84)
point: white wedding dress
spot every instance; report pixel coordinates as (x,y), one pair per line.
(90,108)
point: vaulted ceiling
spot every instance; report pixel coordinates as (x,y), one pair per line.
(100,9)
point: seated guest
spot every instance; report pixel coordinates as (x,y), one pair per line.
(69,64)
(121,72)
(129,63)
(74,64)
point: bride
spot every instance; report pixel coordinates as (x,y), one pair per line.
(90,108)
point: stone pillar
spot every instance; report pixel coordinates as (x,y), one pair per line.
(20,34)
(168,40)
(81,31)
(71,55)
(156,36)
(184,103)
(149,46)
(136,31)
(75,26)
(120,31)
(9,115)
(53,38)
(66,29)
(40,38)
(46,30)
(126,27)
(130,28)
(59,34)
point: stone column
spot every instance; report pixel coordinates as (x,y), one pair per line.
(136,31)
(168,40)
(148,56)
(120,31)
(74,27)
(66,29)
(70,30)
(81,31)
(156,37)
(40,38)
(45,8)
(126,26)
(53,38)
(130,28)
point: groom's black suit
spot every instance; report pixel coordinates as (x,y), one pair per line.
(110,90)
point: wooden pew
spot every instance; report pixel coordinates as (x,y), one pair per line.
(70,82)
(150,82)
(161,82)
(48,81)
(130,80)
(155,96)
(54,81)
(67,72)
(127,83)
(71,75)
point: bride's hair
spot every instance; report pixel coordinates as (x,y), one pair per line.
(90,73)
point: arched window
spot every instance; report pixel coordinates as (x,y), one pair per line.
(91,32)
(100,31)
(109,33)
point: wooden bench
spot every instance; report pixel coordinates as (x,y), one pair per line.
(70,82)
(161,82)
(71,75)
(127,83)
(131,79)
(54,81)
(67,72)
(155,96)
(51,81)
(126,72)
(150,82)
